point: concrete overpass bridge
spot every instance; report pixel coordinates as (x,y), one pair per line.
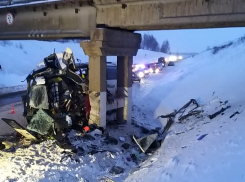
(50,19)
(76,18)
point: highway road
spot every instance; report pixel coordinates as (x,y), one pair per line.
(8,99)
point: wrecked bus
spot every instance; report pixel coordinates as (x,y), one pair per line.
(57,95)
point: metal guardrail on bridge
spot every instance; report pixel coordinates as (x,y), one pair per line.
(12,90)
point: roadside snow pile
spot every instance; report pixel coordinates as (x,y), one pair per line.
(21,56)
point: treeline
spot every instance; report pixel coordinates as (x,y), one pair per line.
(150,43)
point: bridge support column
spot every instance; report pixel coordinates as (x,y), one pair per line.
(124,87)
(97,90)
(105,42)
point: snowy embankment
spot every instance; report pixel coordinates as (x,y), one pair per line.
(215,79)
(21,57)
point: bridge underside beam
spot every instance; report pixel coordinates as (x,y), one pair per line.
(188,14)
(48,21)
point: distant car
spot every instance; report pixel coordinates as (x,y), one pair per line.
(171,63)
(140,68)
(162,61)
(135,77)
(146,71)
(155,67)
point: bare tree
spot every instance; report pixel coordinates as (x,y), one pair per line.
(149,42)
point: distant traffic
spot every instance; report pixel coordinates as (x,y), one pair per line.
(141,70)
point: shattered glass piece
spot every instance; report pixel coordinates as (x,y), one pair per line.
(116,170)
(96,132)
(69,121)
(122,139)
(145,142)
(111,140)
(40,123)
(125,146)
(80,149)
(39,97)
(202,136)
(2,146)
(93,147)
(88,137)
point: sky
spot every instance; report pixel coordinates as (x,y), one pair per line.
(196,40)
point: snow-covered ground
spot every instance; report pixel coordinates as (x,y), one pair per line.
(214,80)
(19,58)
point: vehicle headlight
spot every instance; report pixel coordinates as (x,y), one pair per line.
(141,74)
(157,70)
(146,71)
(151,70)
(142,66)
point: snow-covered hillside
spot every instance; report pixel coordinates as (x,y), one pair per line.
(211,79)
(19,58)
(195,149)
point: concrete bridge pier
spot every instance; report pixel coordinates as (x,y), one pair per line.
(106,42)
(124,87)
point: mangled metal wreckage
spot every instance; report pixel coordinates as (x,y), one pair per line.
(57,97)
(56,94)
